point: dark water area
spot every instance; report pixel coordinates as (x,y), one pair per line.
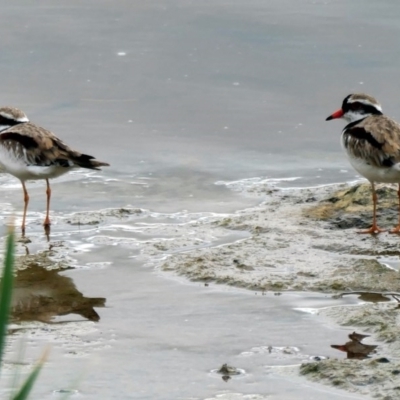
(178,95)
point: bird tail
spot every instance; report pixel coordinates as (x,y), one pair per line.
(89,162)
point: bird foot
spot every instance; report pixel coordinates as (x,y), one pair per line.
(373,230)
(396,229)
(47,231)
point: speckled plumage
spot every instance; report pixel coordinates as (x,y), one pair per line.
(384,152)
(36,146)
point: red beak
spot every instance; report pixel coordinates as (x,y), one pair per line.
(336,114)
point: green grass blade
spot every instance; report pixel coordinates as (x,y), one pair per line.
(17,372)
(27,386)
(6,287)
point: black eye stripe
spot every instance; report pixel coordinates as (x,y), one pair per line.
(363,108)
(356,106)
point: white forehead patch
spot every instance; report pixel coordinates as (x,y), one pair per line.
(22,118)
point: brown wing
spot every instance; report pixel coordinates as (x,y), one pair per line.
(38,146)
(376,139)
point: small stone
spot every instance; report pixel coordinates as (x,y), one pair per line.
(396,372)
(228,370)
(383,360)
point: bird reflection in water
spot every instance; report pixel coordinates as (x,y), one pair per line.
(41,294)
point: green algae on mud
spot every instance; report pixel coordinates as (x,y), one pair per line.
(295,244)
(357,376)
(95,218)
(352,207)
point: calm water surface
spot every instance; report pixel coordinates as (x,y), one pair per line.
(176,96)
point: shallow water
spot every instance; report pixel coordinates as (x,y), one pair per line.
(177,97)
(160,336)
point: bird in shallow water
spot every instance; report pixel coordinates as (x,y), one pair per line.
(30,152)
(372,143)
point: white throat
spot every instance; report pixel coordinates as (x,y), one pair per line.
(352,116)
(4,127)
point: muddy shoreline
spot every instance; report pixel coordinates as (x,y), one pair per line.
(307,240)
(294,240)
(297,242)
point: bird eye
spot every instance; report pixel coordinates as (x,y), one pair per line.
(355,106)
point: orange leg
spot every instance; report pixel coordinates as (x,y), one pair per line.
(374,228)
(48,193)
(396,229)
(26,202)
